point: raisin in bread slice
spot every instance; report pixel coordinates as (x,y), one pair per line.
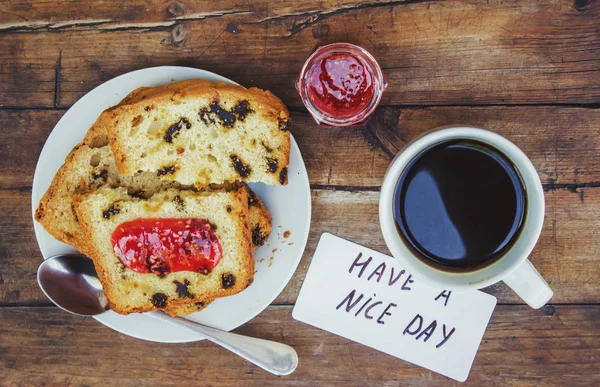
(102,211)
(202,135)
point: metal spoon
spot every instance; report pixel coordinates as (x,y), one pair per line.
(71,282)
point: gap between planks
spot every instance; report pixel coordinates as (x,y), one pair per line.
(291,305)
(572,187)
(301,109)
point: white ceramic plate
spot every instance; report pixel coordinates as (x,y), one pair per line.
(290,207)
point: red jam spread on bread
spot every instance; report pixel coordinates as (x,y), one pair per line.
(340,84)
(166,245)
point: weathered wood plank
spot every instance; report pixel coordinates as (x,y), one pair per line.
(566,254)
(432,52)
(28,72)
(49,346)
(27,16)
(563,143)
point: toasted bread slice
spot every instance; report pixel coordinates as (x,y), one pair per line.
(201,135)
(102,211)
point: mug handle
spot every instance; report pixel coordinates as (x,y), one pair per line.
(527,282)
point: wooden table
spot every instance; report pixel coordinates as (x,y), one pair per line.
(527,70)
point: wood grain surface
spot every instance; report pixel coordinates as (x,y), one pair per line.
(529,71)
(47,346)
(433,52)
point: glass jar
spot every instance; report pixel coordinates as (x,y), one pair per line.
(341,84)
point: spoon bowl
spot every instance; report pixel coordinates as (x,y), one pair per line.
(71,282)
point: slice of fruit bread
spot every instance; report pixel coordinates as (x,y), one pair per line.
(201,135)
(170,251)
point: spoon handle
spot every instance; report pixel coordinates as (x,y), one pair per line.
(277,358)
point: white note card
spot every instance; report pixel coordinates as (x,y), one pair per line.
(367,297)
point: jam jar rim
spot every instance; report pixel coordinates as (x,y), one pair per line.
(379,83)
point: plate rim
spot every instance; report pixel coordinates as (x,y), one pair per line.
(201,74)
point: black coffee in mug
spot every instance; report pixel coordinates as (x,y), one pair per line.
(459,205)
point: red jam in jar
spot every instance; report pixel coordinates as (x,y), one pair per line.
(167,245)
(341,84)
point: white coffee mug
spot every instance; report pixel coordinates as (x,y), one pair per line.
(513,267)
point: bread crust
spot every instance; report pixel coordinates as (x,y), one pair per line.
(121,121)
(126,295)
(55,211)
